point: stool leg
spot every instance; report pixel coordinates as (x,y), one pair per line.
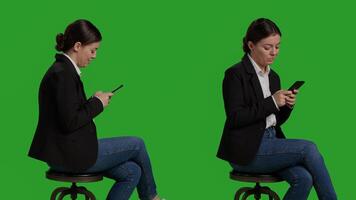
(74,191)
(81,190)
(248,193)
(257,191)
(57,191)
(271,194)
(240,192)
(64,193)
(73,195)
(88,195)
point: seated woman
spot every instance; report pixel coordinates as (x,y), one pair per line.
(256,107)
(66,136)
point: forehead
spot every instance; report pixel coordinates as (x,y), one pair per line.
(272,39)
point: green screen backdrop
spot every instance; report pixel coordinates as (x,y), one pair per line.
(171,56)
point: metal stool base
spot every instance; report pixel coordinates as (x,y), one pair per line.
(257,191)
(73,191)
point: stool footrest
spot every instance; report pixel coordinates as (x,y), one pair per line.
(73,191)
(258,190)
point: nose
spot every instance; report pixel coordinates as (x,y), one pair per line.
(93,56)
(274,51)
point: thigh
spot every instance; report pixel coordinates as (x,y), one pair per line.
(115,151)
(276,154)
(125,171)
(283,146)
(296,174)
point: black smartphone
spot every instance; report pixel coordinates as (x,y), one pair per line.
(120,86)
(296,85)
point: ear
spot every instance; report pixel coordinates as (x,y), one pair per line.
(250,45)
(77,46)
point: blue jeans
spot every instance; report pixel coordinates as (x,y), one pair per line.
(296,161)
(125,160)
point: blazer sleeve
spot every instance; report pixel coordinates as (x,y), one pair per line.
(238,112)
(283,115)
(73,113)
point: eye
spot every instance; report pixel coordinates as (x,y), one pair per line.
(267,48)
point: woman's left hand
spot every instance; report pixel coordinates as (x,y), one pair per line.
(291,99)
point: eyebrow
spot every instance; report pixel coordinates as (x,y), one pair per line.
(270,44)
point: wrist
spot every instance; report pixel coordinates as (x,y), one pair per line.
(100,100)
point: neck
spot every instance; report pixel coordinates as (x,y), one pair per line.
(261,66)
(73,56)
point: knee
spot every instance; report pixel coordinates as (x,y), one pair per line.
(302,177)
(137,141)
(133,172)
(312,151)
(305,179)
(127,172)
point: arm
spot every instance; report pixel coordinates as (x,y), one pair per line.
(238,112)
(73,114)
(283,115)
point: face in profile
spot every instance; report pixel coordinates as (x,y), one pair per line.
(85,53)
(266,50)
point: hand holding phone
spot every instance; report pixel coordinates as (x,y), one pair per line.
(116,89)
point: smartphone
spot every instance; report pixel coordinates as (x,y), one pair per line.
(120,86)
(296,85)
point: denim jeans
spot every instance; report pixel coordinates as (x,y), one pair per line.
(125,160)
(296,161)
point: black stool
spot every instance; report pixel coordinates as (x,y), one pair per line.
(74,190)
(258,189)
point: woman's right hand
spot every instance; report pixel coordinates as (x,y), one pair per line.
(280,97)
(104,97)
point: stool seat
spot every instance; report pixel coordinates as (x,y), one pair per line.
(248,177)
(74,178)
(258,190)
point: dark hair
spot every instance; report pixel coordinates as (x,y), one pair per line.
(81,31)
(258,30)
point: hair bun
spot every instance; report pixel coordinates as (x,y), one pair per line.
(60,42)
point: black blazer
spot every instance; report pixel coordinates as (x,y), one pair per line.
(246,111)
(65,134)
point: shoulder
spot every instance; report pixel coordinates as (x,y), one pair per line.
(62,65)
(240,69)
(237,70)
(59,73)
(234,69)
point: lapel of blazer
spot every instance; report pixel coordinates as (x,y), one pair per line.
(69,66)
(253,77)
